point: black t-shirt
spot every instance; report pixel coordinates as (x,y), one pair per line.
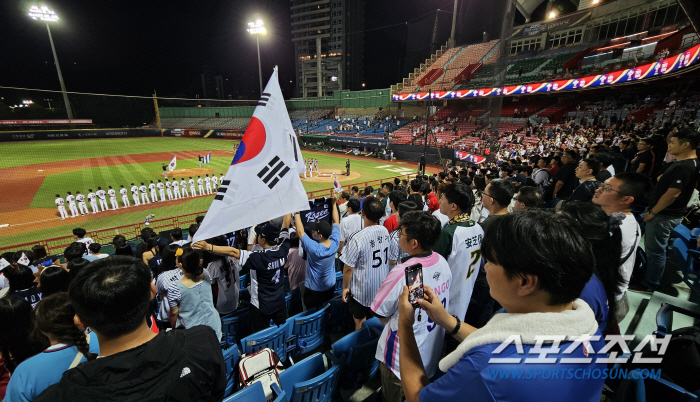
(266,271)
(603,175)
(645,157)
(32,295)
(567,176)
(319,210)
(682,175)
(585,191)
(415,197)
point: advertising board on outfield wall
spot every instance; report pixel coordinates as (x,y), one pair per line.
(659,68)
(76,134)
(37,122)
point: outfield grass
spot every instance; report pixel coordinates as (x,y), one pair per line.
(84,179)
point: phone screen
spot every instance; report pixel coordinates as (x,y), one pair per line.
(414,281)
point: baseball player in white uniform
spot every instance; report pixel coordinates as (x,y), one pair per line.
(191,183)
(214,182)
(113,198)
(221,179)
(144,195)
(125,197)
(176,190)
(152,189)
(316,165)
(102,199)
(366,262)
(135,194)
(305,168)
(70,199)
(183,188)
(169,190)
(200,185)
(61,208)
(207,181)
(81,203)
(311,168)
(92,197)
(161,190)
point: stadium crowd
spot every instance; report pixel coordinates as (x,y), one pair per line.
(540,242)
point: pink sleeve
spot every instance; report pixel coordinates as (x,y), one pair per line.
(387,287)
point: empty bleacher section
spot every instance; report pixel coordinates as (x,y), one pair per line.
(231,123)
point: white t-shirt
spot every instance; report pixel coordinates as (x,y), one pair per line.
(429,336)
(227,299)
(631,234)
(444,220)
(350,225)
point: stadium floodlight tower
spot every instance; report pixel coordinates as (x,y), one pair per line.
(257,28)
(47,15)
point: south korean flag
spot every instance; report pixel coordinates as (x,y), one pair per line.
(3,264)
(24,260)
(262,182)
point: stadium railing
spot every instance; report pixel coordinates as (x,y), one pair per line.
(132,231)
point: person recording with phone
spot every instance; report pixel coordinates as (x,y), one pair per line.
(538,283)
(418,231)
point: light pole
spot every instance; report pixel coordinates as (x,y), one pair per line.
(257,28)
(47,15)
(454,25)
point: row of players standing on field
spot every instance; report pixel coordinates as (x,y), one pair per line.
(173,190)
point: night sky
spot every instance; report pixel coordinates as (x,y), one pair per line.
(133,47)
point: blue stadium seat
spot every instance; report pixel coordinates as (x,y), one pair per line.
(310,380)
(255,393)
(236,326)
(356,352)
(338,283)
(308,328)
(274,338)
(231,357)
(243,279)
(336,314)
(288,301)
(683,233)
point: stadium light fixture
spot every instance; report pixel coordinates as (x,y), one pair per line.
(552,15)
(596,2)
(257,28)
(47,15)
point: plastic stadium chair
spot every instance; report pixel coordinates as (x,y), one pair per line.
(336,313)
(288,301)
(236,326)
(685,263)
(243,280)
(273,338)
(683,233)
(231,357)
(355,353)
(308,328)
(310,380)
(338,283)
(255,393)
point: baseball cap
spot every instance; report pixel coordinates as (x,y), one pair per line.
(518,178)
(268,231)
(323,228)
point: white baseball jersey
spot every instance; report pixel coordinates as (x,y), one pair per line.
(215,180)
(176,185)
(143,189)
(87,241)
(460,244)
(221,179)
(200,181)
(70,199)
(59,201)
(168,185)
(134,189)
(183,183)
(122,191)
(350,225)
(80,198)
(429,336)
(112,193)
(152,187)
(191,182)
(91,197)
(395,252)
(207,179)
(368,253)
(160,186)
(101,194)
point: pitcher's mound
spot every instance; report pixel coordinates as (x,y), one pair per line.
(326,176)
(189,172)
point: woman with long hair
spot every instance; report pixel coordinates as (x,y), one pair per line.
(16,323)
(223,271)
(68,346)
(191,299)
(167,274)
(53,279)
(603,232)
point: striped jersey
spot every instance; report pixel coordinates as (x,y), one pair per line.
(429,336)
(368,253)
(460,244)
(395,252)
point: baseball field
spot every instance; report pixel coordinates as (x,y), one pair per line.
(32,173)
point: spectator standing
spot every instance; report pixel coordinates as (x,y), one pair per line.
(191,298)
(395,251)
(540,278)
(586,171)
(68,346)
(296,272)
(351,224)
(395,199)
(320,246)
(223,271)
(645,160)
(418,231)
(22,284)
(167,274)
(528,198)
(112,297)
(366,262)
(265,265)
(617,195)
(79,236)
(566,181)
(16,325)
(52,280)
(667,204)
(343,207)
(415,194)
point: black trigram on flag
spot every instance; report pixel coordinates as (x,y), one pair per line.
(273,172)
(263,99)
(225,185)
